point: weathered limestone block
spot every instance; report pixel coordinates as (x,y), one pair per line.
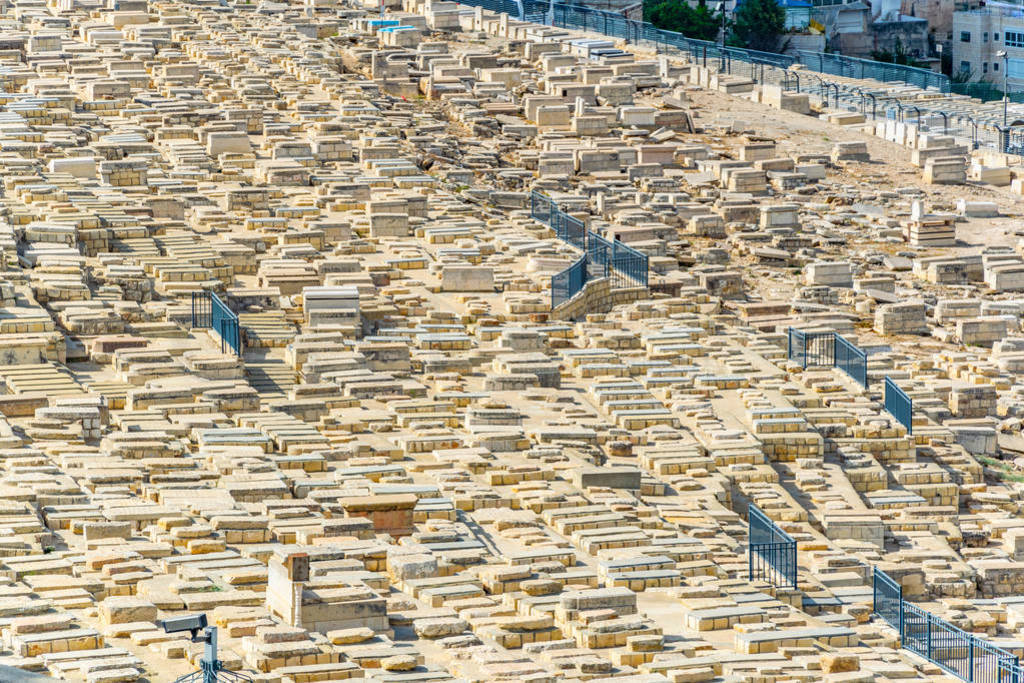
(973,401)
(467,279)
(125,609)
(903,318)
(850,151)
(831,274)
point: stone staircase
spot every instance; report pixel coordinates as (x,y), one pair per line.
(270,377)
(45,378)
(267,329)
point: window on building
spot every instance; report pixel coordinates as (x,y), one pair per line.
(965,36)
(1014,39)
(995,66)
(965,67)
(1015,68)
(984,67)
(995,37)
(984,37)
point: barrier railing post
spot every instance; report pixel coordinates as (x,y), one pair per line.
(771,551)
(210,312)
(901,627)
(792,565)
(874,590)
(928,634)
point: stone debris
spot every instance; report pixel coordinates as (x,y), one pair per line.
(282,344)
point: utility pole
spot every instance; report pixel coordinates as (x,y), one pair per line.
(1006,74)
(721,35)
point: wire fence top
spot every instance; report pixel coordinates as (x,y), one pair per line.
(609,23)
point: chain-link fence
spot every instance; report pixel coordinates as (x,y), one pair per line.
(580,18)
(986,92)
(766,67)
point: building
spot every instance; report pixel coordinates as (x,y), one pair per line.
(860,29)
(938,14)
(845,26)
(980,33)
(798,14)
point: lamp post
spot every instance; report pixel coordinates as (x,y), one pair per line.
(1006,95)
(721,35)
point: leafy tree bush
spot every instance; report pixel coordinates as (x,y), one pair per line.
(699,22)
(758,25)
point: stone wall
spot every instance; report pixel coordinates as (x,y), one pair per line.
(597,296)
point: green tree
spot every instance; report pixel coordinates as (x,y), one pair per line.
(698,22)
(758,25)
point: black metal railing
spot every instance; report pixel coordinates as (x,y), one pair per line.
(899,405)
(851,359)
(210,312)
(602,257)
(611,258)
(887,600)
(811,349)
(952,649)
(769,67)
(771,552)
(568,283)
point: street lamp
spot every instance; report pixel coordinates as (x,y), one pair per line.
(1006,72)
(721,35)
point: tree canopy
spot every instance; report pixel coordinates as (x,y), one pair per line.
(698,22)
(758,25)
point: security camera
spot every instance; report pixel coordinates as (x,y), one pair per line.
(192,622)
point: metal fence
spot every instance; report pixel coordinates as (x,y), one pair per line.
(811,348)
(210,312)
(771,552)
(954,650)
(611,258)
(566,284)
(602,257)
(899,405)
(541,208)
(828,348)
(852,67)
(887,598)
(770,67)
(581,18)
(984,91)
(851,360)
(567,228)
(970,131)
